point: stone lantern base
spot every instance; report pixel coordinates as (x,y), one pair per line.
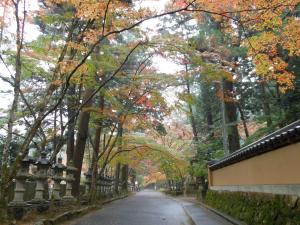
(40,205)
(18,209)
(69,199)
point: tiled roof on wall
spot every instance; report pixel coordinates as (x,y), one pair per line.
(280,138)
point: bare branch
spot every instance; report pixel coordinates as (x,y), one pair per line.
(105,15)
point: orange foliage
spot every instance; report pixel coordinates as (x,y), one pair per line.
(154,177)
(275,31)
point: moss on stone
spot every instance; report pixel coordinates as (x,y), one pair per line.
(257,208)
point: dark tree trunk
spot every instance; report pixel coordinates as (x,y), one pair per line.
(124,177)
(71,125)
(118,166)
(169,184)
(117,178)
(209,120)
(96,150)
(243,120)
(206,96)
(279,104)
(55,129)
(266,106)
(231,117)
(82,135)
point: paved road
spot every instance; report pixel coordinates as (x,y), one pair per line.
(145,208)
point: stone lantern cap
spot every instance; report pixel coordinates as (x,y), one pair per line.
(43,161)
(59,166)
(70,171)
(23,172)
(27,160)
(70,167)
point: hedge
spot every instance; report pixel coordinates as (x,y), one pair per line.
(256,208)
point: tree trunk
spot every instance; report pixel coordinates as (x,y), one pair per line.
(243,120)
(209,120)
(206,97)
(191,113)
(96,150)
(81,138)
(124,177)
(72,121)
(118,166)
(117,178)
(280,108)
(224,121)
(266,106)
(233,138)
(54,129)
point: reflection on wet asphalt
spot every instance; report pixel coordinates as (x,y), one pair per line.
(144,208)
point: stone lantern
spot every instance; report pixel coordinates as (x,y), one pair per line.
(112,181)
(69,179)
(58,170)
(104,183)
(88,181)
(108,183)
(43,165)
(99,184)
(21,177)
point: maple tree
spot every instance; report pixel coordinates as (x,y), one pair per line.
(269,27)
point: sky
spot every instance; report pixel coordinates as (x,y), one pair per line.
(30,34)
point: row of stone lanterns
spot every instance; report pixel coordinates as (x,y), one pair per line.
(175,185)
(41,177)
(104,185)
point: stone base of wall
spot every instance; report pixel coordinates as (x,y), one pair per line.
(173,192)
(286,189)
(256,208)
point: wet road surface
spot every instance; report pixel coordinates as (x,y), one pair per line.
(144,208)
